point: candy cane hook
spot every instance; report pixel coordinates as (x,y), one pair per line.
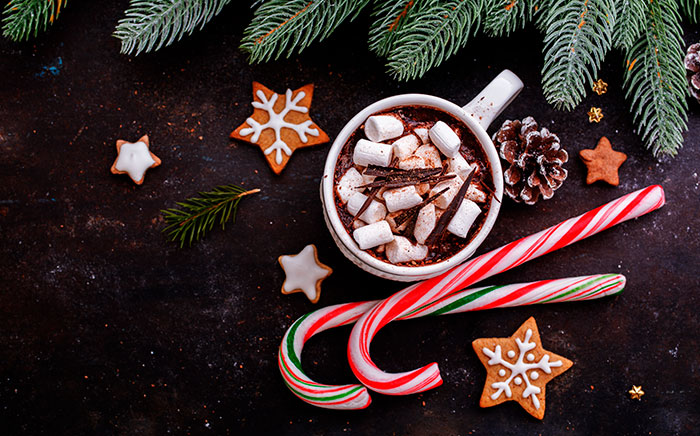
(509,256)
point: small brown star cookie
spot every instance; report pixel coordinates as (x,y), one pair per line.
(280,124)
(134,159)
(518,369)
(603,162)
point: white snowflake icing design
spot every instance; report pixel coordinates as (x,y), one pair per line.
(519,369)
(277,122)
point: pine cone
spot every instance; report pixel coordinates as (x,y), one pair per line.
(692,64)
(535,159)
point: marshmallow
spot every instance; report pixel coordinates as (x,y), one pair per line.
(464,218)
(430,154)
(423,189)
(357,224)
(459,165)
(475,194)
(382,127)
(405,146)
(371,153)
(401,250)
(446,198)
(412,163)
(425,223)
(422,134)
(367,179)
(445,139)
(375,212)
(401,198)
(373,235)
(347,185)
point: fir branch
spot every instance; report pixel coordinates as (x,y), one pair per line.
(151,24)
(631,19)
(691,8)
(289,26)
(578,35)
(26,18)
(506,16)
(389,18)
(655,80)
(437,30)
(199,214)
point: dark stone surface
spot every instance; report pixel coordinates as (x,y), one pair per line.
(106,328)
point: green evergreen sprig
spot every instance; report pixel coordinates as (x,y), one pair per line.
(151,24)
(289,26)
(389,17)
(655,80)
(436,31)
(197,215)
(578,35)
(691,8)
(23,19)
(632,15)
(503,17)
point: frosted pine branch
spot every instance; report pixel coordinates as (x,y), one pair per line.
(655,80)
(578,36)
(151,24)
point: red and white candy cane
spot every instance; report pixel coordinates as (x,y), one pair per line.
(354,396)
(509,256)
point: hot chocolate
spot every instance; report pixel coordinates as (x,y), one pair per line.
(412,185)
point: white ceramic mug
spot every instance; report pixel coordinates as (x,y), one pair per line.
(477,115)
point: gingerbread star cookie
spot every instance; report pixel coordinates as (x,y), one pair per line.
(603,162)
(304,273)
(280,124)
(134,159)
(518,369)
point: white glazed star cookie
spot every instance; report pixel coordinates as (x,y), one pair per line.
(134,159)
(304,273)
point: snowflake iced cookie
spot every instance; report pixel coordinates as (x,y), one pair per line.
(518,369)
(280,124)
(134,159)
(304,273)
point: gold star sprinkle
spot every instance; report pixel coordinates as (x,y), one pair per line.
(595,114)
(600,87)
(636,392)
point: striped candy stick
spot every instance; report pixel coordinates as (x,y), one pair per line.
(509,256)
(354,396)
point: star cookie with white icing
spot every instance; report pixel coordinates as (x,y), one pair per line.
(518,369)
(280,124)
(304,273)
(134,159)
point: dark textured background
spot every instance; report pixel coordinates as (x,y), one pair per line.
(106,328)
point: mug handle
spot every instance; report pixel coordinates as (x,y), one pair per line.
(491,101)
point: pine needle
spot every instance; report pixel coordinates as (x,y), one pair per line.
(655,80)
(389,18)
(152,24)
(691,8)
(578,35)
(289,26)
(437,30)
(198,215)
(26,18)
(631,19)
(504,17)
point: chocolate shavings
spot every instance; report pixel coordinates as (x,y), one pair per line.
(410,213)
(450,212)
(370,196)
